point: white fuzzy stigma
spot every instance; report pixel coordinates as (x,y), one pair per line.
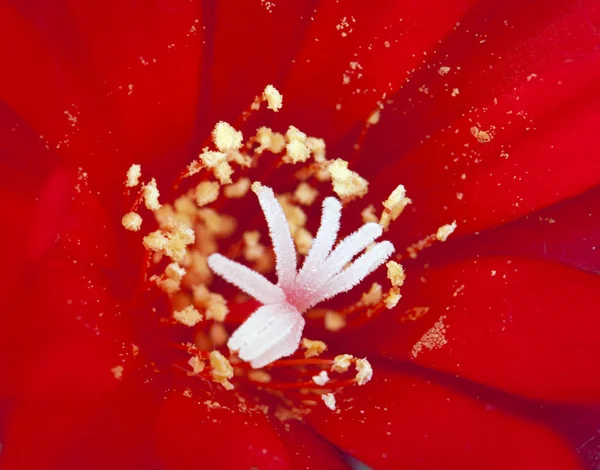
(275,329)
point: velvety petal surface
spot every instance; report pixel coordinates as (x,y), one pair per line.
(524,326)
(504,130)
(399,421)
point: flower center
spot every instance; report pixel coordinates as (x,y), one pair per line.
(199,235)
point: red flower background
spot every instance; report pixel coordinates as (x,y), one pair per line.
(87,90)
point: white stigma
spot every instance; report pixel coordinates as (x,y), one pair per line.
(274,330)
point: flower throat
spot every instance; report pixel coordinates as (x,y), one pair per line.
(195,239)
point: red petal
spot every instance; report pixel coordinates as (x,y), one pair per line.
(217,433)
(568,232)
(398,421)
(105,86)
(375,47)
(306,449)
(529,82)
(61,389)
(528,327)
(252,45)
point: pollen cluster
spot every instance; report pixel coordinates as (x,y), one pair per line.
(183,239)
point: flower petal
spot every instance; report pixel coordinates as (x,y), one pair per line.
(568,232)
(305,448)
(222,432)
(355,54)
(525,326)
(516,137)
(399,421)
(105,86)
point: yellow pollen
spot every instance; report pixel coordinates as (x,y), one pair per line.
(196,364)
(117,372)
(481,135)
(368,214)
(238,189)
(313,348)
(334,321)
(133,176)
(347,184)
(259,376)
(297,151)
(217,162)
(226,138)
(303,240)
(445,231)
(151,194)
(365,371)
(395,273)
(132,221)
(392,298)
(221,369)
(305,194)
(189,316)
(393,206)
(374,296)
(329,400)
(321,379)
(207,192)
(155,241)
(273,98)
(341,363)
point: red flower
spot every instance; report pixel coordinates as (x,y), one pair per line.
(489,116)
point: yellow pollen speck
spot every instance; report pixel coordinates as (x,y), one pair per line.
(394,205)
(218,334)
(443,70)
(196,364)
(374,296)
(151,195)
(221,369)
(365,371)
(334,321)
(216,307)
(374,117)
(117,372)
(253,250)
(329,400)
(155,241)
(238,189)
(321,379)
(297,151)
(259,376)
(133,176)
(317,148)
(481,135)
(303,240)
(313,348)
(445,231)
(341,363)
(434,338)
(395,273)
(132,221)
(226,138)
(368,214)
(392,297)
(178,239)
(221,225)
(189,316)
(274,142)
(305,194)
(207,192)
(217,162)
(273,98)
(347,184)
